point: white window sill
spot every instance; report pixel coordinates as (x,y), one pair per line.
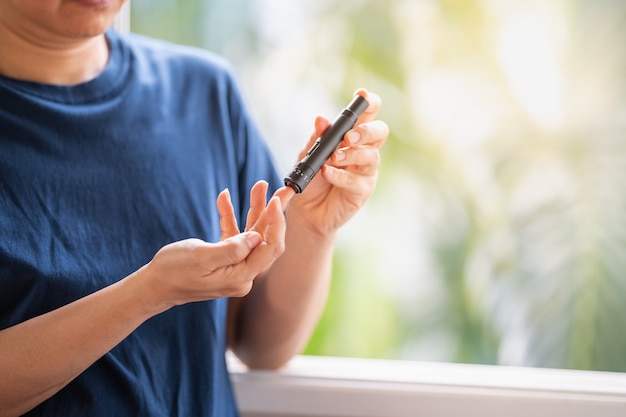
(347,387)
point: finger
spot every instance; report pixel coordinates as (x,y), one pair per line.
(230,251)
(274,239)
(372,110)
(363,160)
(353,183)
(284,195)
(321,123)
(276,224)
(258,195)
(228,220)
(372,133)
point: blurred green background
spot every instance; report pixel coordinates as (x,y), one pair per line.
(497,231)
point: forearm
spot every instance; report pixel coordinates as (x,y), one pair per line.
(276,319)
(278,316)
(42,355)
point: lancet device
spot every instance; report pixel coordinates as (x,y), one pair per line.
(304,171)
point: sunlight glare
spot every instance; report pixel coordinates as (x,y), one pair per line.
(529,48)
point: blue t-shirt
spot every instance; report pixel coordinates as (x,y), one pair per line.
(94,179)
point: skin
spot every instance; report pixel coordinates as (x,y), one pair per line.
(276,273)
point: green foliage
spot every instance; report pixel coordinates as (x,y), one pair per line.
(165,20)
(496,232)
(357,306)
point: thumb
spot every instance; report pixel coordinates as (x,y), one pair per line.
(235,249)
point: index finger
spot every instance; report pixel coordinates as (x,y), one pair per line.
(273,246)
(284,195)
(375,102)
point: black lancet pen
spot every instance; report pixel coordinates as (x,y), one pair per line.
(325,145)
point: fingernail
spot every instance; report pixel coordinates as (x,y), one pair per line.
(354,137)
(226,191)
(340,155)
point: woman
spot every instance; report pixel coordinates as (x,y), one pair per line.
(121,285)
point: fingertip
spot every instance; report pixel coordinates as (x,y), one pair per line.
(275,235)
(284,194)
(275,212)
(261,184)
(353,137)
(330,168)
(321,122)
(361,92)
(274,205)
(224,203)
(253,239)
(328,171)
(225,193)
(337,177)
(373,99)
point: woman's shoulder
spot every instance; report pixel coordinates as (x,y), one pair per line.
(169,56)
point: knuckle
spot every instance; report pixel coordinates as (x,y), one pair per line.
(233,253)
(375,157)
(371,186)
(276,249)
(368,156)
(353,180)
(347,179)
(197,253)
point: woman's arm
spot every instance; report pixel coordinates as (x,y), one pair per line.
(278,316)
(273,323)
(40,356)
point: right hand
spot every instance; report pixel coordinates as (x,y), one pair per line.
(193,270)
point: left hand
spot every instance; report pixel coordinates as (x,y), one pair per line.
(349,177)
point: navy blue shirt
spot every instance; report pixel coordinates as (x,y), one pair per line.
(94,179)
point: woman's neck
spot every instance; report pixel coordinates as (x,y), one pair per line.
(51,61)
